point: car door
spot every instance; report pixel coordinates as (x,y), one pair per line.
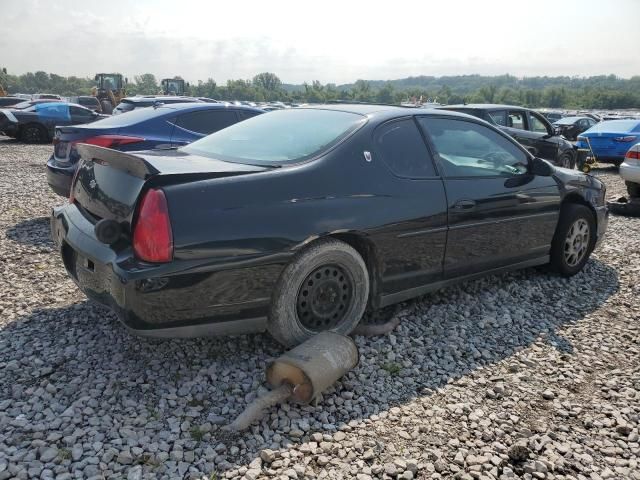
(543,136)
(193,125)
(499,213)
(53,114)
(411,249)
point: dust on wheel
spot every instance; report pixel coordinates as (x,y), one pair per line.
(325,287)
(325,297)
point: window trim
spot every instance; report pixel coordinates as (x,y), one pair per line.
(414,118)
(436,155)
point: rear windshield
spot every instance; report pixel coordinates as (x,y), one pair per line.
(132,117)
(616,126)
(279,137)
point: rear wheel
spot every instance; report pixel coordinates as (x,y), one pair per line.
(633,189)
(574,239)
(325,287)
(33,133)
(567,160)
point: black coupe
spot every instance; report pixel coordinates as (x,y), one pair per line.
(299,220)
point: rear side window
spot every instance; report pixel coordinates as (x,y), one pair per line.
(402,148)
(537,124)
(206,122)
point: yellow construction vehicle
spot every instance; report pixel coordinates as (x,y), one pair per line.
(173,86)
(109,90)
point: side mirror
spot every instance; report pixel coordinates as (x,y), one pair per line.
(541,167)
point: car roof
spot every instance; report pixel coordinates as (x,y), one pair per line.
(485,106)
(146,98)
(205,106)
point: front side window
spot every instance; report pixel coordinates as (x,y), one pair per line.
(206,122)
(516,120)
(537,124)
(53,111)
(467,149)
(402,148)
(280,137)
(499,117)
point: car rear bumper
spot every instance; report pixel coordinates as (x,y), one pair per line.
(59,176)
(179,299)
(630,173)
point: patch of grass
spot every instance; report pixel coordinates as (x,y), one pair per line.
(213,476)
(196,434)
(392,368)
(64,454)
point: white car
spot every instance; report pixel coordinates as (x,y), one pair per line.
(630,170)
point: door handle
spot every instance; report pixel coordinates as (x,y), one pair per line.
(464,205)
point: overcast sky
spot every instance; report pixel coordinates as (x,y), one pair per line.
(326,40)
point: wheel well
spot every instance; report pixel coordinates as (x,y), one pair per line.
(368,252)
(575,198)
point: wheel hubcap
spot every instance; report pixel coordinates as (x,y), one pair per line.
(32,134)
(576,242)
(324,298)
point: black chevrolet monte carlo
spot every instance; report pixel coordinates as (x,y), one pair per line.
(299,220)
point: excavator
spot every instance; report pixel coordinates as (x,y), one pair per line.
(109,90)
(173,86)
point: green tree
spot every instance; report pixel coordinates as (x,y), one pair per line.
(268,81)
(145,84)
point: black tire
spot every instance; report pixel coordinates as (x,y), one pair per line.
(633,189)
(617,163)
(106,106)
(567,160)
(325,287)
(570,249)
(33,133)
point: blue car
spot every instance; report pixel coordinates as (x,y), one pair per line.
(162,127)
(609,141)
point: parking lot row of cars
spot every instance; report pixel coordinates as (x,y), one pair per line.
(568,142)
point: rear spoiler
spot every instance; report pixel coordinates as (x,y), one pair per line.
(126,162)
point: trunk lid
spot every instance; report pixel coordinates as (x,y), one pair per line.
(109,182)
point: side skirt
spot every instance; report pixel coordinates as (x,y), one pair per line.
(418,291)
(233,327)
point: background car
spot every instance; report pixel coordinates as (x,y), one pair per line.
(528,127)
(551,116)
(609,141)
(167,126)
(9,101)
(45,96)
(36,123)
(571,127)
(88,101)
(298,220)
(131,103)
(630,171)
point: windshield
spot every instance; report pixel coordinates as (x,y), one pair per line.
(616,126)
(283,136)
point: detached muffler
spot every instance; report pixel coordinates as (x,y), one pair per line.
(302,374)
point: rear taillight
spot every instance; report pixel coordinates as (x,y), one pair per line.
(633,153)
(628,138)
(110,141)
(152,235)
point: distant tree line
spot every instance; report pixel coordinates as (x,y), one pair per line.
(604,91)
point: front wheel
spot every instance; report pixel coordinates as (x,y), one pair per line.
(325,287)
(574,239)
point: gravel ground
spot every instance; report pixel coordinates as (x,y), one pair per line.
(525,375)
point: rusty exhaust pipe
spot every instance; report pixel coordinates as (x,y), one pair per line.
(302,374)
